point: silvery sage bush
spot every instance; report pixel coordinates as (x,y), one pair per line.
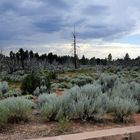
(50,106)
(4,113)
(123,109)
(45,97)
(74,104)
(92,101)
(16,109)
(107,82)
(40,90)
(81,80)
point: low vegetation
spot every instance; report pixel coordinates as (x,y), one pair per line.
(91,96)
(108,94)
(15,109)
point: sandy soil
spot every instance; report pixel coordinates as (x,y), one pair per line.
(37,129)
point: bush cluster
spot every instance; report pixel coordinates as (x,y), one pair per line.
(12,93)
(30,83)
(15,109)
(37,81)
(40,90)
(5,91)
(108,94)
(67,82)
(81,80)
(17,76)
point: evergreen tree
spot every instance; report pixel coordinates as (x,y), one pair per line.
(127,57)
(83,60)
(109,57)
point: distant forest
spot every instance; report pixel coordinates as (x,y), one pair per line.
(28,60)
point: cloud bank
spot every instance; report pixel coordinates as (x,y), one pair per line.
(28,23)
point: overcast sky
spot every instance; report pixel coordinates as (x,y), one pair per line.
(102,26)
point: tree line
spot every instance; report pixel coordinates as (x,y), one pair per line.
(27,60)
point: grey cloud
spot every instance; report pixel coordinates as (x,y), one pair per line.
(57,4)
(108,32)
(96,10)
(28,21)
(49,25)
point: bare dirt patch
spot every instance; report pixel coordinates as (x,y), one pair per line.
(37,129)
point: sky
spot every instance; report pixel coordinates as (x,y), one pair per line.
(102,26)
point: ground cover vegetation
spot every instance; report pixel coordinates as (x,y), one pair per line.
(50,87)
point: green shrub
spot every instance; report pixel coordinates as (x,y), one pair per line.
(1,95)
(45,81)
(52,75)
(30,83)
(16,109)
(63,79)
